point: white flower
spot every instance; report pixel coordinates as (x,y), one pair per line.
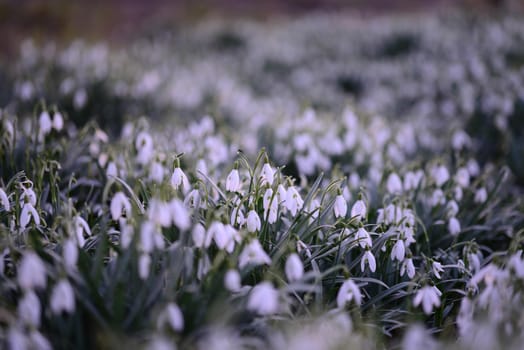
(437,269)
(394,184)
(120,203)
(413,179)
(253,221)
(267,200)
(180,215)
(199,235)
(254,254)
(460,139)
(38,341)
(156,172)
(348,292)
(112,170)
(144,263)
(363,238)
(267,174)
(147,236)
(462,177)
(368,258)
(458,193)
(70,253)
(159,212)
(481,195)
(454,226)
(359,210)
(192,199)
(29,309)
(45,124)
(179,179)
(232,280)
(28,195)
(282,194)
(145,147)
(437,198)
(399,251)
(429,296)
(340,207)
(237,216)
(440,174)
(28,212)
(4,200)
(31,272)
(81,227)
(218,232)
(126,234)
(233,181)
(58,121)
(293,200)
(172,315)
(62,298)
(407,266)
(452,208)
(16,339)
(294,268)
(263,299)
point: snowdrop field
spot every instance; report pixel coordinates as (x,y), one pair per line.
(322,182)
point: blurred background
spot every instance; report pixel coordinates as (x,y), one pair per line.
(119,20)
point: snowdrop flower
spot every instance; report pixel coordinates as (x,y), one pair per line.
(399,251)
(454,226)
(172,315)
(407,266)
(16,339)
(429,296)
(159,212)
(340,208)
(70,253)
(31,272)
(282,194)
(348,292)
(218,232)
(354,180)
(179,179)
(267,174)
(198,234)
(28,213)
(28,196)
(413,179)
(253,221)
(314,209)
(293,200)
(156,172)
(440,174)
(359,210)
(192,199)
(126,234)
(363,238)
(62,298)
(29,309)
(437,269)
(253,254)
(4,200)
(418,337)
(394,184)
(481,195)
(368,258)
(58,121)
(38,341)
(237,217)
(263,299)
(233,181)
(147,236)
(462,177)
(45,123)
(437,198)
(144,263)
(232,280)
(145,147)
(460,140)
(81,227)
(458,193)
(120,203)
(294,268)
(452,208)
(180,215)
(112,170)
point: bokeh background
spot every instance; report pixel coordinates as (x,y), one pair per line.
(117,21)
